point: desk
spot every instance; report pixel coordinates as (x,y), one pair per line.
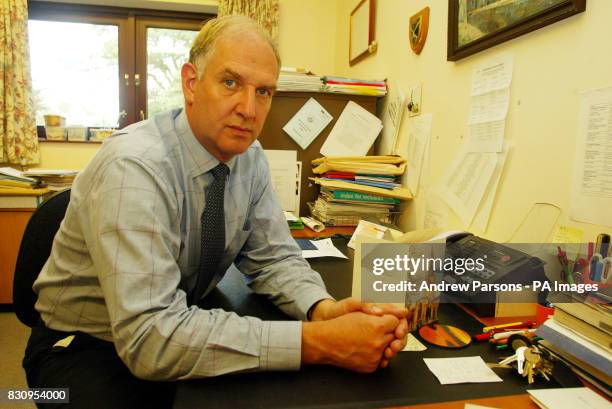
(406,381)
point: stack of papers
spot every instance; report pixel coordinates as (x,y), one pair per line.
(345,85)
(55,179)
(299,82)
(354,188)
(12,178)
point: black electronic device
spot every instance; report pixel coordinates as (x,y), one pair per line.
(502,265)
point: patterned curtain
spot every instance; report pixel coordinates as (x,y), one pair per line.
(18,139)
(265,12)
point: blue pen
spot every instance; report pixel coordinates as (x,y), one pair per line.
(596,267)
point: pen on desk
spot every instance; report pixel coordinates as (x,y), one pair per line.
(518,324)
(590,250)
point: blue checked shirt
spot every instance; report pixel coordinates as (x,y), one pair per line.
(127,254)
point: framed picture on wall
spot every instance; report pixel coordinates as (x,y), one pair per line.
(475,25)
(361,31)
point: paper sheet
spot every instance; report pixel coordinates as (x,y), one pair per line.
(393,113)
(492,75)
(308,123)
(285,178)
(567,234)
(353,134)
(484,212)
(465,182)
(487,136)
(366,228)
(436,211)
(568,398)
(325,248)
(470,369)
(419,134)
(592,186)
(492,106)
(413,344)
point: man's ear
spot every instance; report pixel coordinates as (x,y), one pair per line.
(189,76)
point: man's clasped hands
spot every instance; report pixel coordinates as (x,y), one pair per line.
(354,335)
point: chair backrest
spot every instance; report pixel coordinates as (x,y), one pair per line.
(33,253)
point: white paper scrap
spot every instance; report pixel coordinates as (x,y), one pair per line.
(469,369)
(325,248)
(354,132)
(308,123)
(413,344)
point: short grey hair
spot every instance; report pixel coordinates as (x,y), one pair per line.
(214,29)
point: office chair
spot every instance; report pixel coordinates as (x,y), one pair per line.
(33,253)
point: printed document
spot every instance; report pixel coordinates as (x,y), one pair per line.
(482,216)
(354,132)
(469,369)
(492,106)
(307,123)
(487,136)
(465,182)
(392,118)
(493,75)
(285,178)
(419,134)
(592,187)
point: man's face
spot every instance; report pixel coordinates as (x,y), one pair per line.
(227,107)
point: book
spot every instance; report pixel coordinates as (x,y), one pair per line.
(359,197)
(598,315)
(572,343)
(22,198)
(583,369)
(583,328)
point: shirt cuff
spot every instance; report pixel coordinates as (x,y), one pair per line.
(306,301)
(281,346)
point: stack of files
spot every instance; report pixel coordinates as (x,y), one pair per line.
(355,86)
(355,188)
(54,179)
(22,197)
(580,335)
(10,177)
(294,80)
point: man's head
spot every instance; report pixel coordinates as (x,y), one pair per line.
(228,84)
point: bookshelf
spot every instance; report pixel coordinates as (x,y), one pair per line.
(284,106)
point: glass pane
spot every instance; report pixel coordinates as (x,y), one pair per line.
(75,72)
(167,51)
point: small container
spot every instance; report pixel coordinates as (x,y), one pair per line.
(55,120)
(55,133)
(76,133)
(100,134)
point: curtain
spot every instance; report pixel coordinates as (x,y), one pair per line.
(265,12)
(18,139)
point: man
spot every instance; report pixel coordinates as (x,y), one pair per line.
(154,221)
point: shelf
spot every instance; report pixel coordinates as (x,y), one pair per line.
(66,141)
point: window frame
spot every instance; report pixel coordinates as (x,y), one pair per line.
(132,24)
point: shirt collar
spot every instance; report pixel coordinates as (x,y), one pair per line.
(198,160)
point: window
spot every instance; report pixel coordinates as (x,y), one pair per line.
(107,67)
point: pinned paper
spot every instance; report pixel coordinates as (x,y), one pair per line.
(308,123)
(567,234)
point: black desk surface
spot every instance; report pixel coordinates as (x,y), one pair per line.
(406,381)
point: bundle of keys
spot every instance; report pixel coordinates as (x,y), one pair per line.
(530,361)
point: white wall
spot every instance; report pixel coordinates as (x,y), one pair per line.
(551,67)
(306,34)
